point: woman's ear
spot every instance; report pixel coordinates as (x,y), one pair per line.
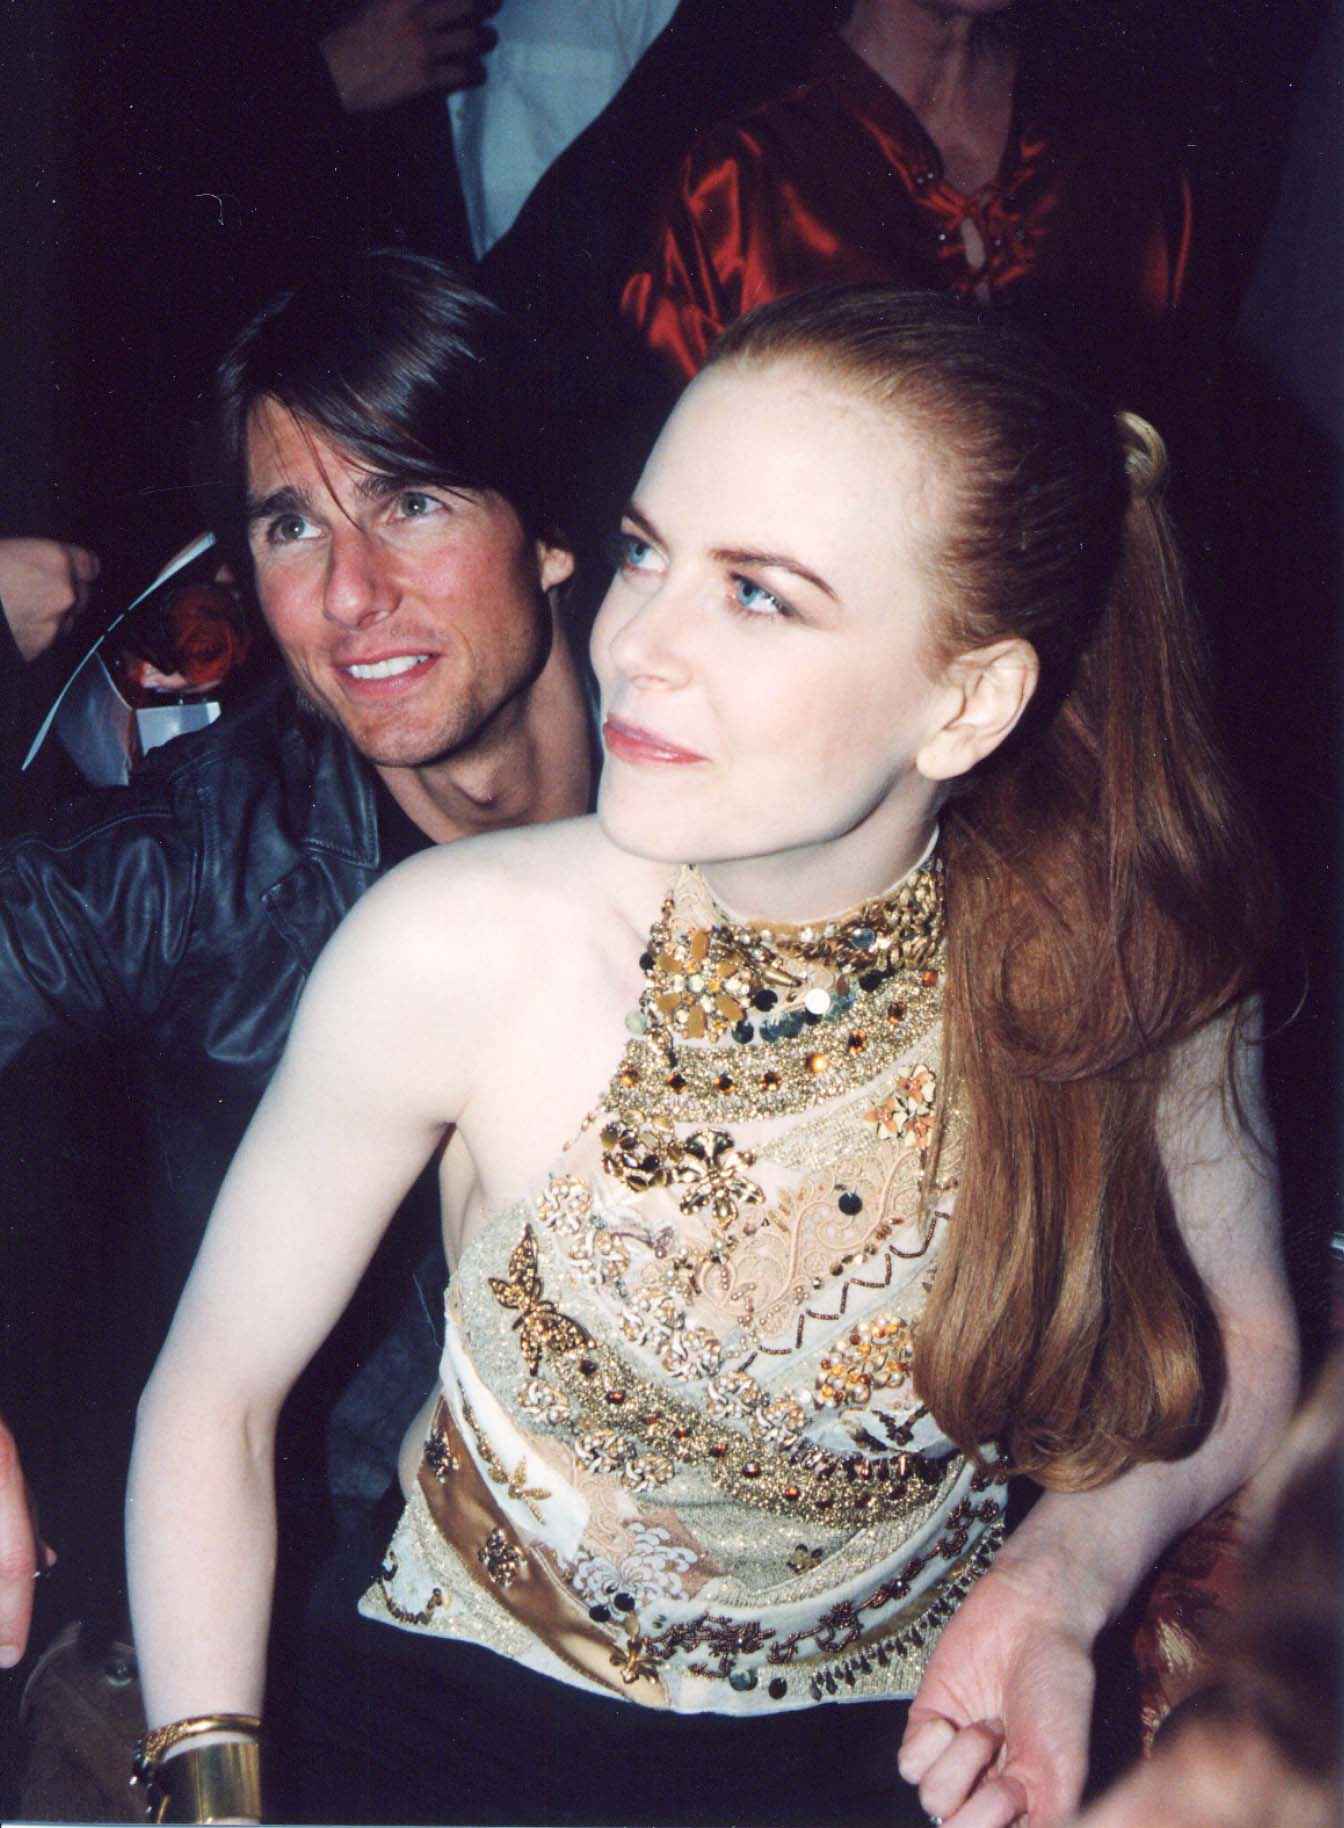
(989,689)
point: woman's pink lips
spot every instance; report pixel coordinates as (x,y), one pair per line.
(631,744)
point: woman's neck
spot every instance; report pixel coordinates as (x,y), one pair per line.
(953,69)
(815,883)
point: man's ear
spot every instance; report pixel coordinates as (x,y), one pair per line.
(554,564)
(989,689)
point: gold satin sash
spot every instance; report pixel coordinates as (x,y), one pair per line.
(482,1538)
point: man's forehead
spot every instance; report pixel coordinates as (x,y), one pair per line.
(285,449)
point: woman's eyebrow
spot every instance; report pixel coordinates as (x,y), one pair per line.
(778,561)
(632,511)
(738,555)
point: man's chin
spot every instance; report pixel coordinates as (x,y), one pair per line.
(383,748)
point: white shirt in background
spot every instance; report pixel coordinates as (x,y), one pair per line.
(556,66)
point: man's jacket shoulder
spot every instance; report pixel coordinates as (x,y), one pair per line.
(207,886)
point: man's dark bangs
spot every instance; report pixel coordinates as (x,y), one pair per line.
(395,360)
(446,416)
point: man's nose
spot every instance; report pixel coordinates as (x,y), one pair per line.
(357,589)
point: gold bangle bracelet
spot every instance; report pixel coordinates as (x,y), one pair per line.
(160,1739)
(213,1783)
(169,1796)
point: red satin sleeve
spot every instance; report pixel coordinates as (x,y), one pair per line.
(678,301)
(836,180)
(759,211)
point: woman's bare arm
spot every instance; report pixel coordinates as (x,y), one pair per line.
(358,1104)
(1018,1653)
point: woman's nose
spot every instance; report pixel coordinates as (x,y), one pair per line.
(648,632)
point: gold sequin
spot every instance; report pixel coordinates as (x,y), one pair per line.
(876,1355)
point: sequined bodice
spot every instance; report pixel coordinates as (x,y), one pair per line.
(681,1374)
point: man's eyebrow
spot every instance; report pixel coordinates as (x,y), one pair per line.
(284,500)
(377,485)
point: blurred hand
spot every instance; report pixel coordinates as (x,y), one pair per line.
(44,584)
(998,1731)
(392,50)
(22,1553)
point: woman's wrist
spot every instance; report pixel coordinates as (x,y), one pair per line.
(1059,1572)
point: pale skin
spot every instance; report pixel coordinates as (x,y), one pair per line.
(23,1554)
(754,579)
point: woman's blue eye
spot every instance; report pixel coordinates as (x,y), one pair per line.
(752,599)
(634,553)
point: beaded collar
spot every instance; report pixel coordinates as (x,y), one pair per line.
(738,1019)
(742,1020)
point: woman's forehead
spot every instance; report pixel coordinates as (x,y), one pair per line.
(792,445)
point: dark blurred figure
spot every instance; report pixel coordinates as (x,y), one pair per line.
(1260,1747)
(206,154)
(44,588)
(1277,501)
(552,72)
(561,265)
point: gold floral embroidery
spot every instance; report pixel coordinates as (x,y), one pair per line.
(909,1110)
(813,1011)
(633,1658)
(515,1482)
(542,1325)
(763,1464)
(875,1355)
(439,1457)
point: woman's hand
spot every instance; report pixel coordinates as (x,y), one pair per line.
(998,1731)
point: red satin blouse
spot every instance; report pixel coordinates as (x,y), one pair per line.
(837,180)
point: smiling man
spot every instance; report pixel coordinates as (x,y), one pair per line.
(386,491)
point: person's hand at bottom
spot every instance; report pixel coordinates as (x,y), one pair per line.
(998,1731)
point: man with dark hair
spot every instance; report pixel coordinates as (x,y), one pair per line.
(386,492)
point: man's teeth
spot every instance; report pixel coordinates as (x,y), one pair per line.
(386,669)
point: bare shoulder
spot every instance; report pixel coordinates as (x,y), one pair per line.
(496,904)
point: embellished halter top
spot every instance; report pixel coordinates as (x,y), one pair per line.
(677,1455)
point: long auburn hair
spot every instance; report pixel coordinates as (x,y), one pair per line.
(1106,896)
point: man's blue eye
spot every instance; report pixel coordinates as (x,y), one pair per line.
(415,506)
(286,528)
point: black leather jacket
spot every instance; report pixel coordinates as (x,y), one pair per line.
(180,917)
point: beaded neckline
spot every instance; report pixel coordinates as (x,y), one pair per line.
(742,1019)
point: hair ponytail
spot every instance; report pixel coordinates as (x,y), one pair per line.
(1105,895)
(1099,913)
